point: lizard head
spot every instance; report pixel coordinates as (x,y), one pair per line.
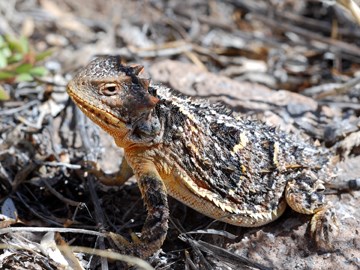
(114,97)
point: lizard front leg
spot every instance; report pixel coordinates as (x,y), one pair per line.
(114,179)
(155,227)
(120,177)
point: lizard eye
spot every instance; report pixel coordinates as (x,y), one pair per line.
(109,89)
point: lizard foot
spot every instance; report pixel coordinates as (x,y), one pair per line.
(324,228)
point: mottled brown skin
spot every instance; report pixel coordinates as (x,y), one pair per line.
(237,171)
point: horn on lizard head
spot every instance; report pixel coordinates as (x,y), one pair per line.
(137,69)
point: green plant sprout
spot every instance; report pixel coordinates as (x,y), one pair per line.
(18,62)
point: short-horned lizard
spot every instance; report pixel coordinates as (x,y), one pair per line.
(235,170)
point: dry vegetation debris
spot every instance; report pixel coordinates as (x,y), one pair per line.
(293,64)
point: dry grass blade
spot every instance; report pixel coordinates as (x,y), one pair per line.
(351,51)
(326,90)
(236,261)
(352,7)
(49,229)
(166,49)
(342,89)
(114,256)
(102,253)
(65,248)
(214,232)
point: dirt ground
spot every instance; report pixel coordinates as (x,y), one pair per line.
(292,64)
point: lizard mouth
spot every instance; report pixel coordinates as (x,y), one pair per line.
(97,115)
